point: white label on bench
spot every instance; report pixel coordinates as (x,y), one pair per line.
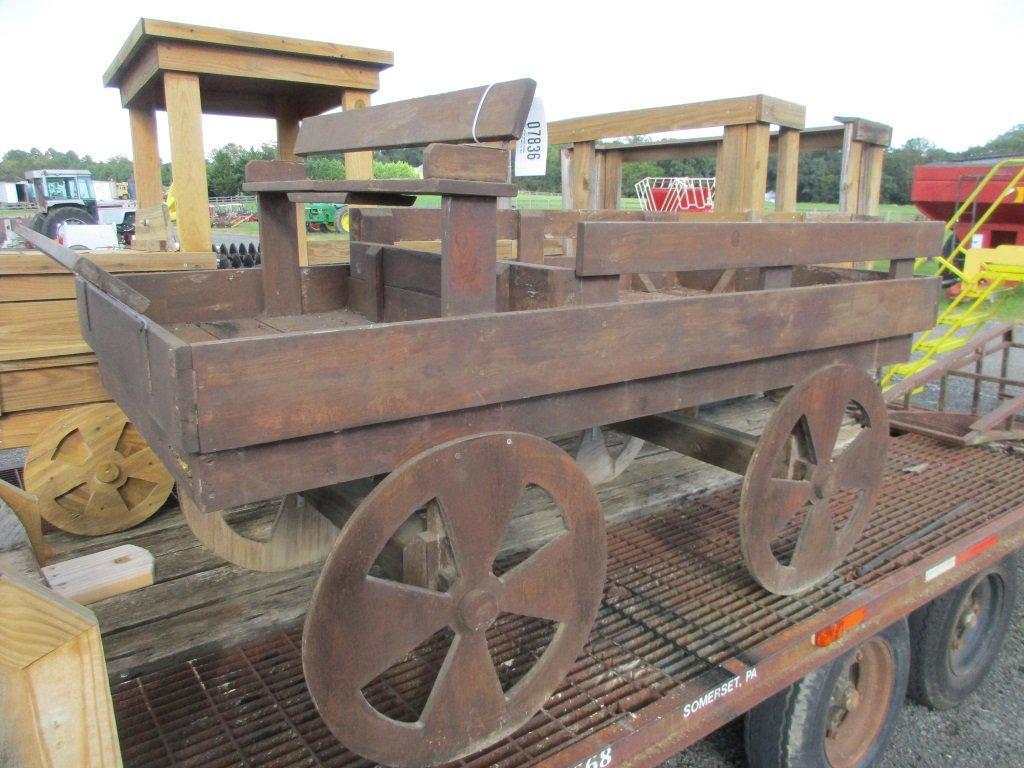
(532,148)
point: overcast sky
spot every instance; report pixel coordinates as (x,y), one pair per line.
(947,71)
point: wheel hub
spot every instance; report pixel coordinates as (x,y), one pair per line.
(108,472)
(478,610)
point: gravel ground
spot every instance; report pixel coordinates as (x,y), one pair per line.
(987,730)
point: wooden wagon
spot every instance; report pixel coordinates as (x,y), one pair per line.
(445,373)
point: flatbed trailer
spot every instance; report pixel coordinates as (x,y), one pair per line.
(684,642)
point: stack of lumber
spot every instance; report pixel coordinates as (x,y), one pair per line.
(46,368)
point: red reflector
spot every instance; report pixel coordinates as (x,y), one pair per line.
(976,549)
(837,629)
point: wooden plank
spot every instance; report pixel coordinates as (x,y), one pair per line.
(145,156)
(54,679)
(779,112)
(325,287)
(30,329)
(387,187)
(468,255)
(787,170)
(37,263)
(538,286)
(488,113)
(366,283)
(46,362)
(288,113)
(20,430)
(216,294)
(262,471)
(706,114)
(612,248)
(188,160)
(388,372)
(97,576)
(51,387)
(466,161)
(198,59)
(36,287)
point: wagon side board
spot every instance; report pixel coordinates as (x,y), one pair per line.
(147,371)
(239,476)
(335,380)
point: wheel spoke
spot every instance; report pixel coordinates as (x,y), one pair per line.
(477,507)
(816,541)
(857,466)
(783,499)
(824,412)
(144,465)
(61,479)
(103,438)
(394,618)
(536,587)
(467,693)
(105,501)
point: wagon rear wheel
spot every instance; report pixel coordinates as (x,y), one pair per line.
(298,535)
(803,506)
(359,626)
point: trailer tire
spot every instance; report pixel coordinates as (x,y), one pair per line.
(974,615)
(36,224)
(796,728)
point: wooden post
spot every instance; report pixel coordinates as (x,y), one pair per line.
(872,161)
(188,162)
(611,181)
(729,170)
(468,255)
(282,278)
(54,693)
(584,175)
(850,174)
(787,170)
(755,177)
(145,157)
(288,116)
(358,165)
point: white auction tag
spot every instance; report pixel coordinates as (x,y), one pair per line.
(532,148)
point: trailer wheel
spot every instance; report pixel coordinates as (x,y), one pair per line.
(957,637)
(838,716)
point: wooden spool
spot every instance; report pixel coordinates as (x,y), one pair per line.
(94,474)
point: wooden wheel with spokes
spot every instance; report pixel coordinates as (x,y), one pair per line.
(360,625)
(794,526)
(93,473)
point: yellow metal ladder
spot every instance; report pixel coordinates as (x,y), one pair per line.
(983,281)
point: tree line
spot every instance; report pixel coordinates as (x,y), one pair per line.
(818,174)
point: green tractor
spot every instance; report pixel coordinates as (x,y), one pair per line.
(63,197)
(326,217)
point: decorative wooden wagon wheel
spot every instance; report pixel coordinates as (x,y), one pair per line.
(298,535)
(93,473)
(794,478)
(360,625)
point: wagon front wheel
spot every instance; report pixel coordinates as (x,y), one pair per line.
(804,503)
(364,633)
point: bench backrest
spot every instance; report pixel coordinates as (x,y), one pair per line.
(488,113)
(617,248)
